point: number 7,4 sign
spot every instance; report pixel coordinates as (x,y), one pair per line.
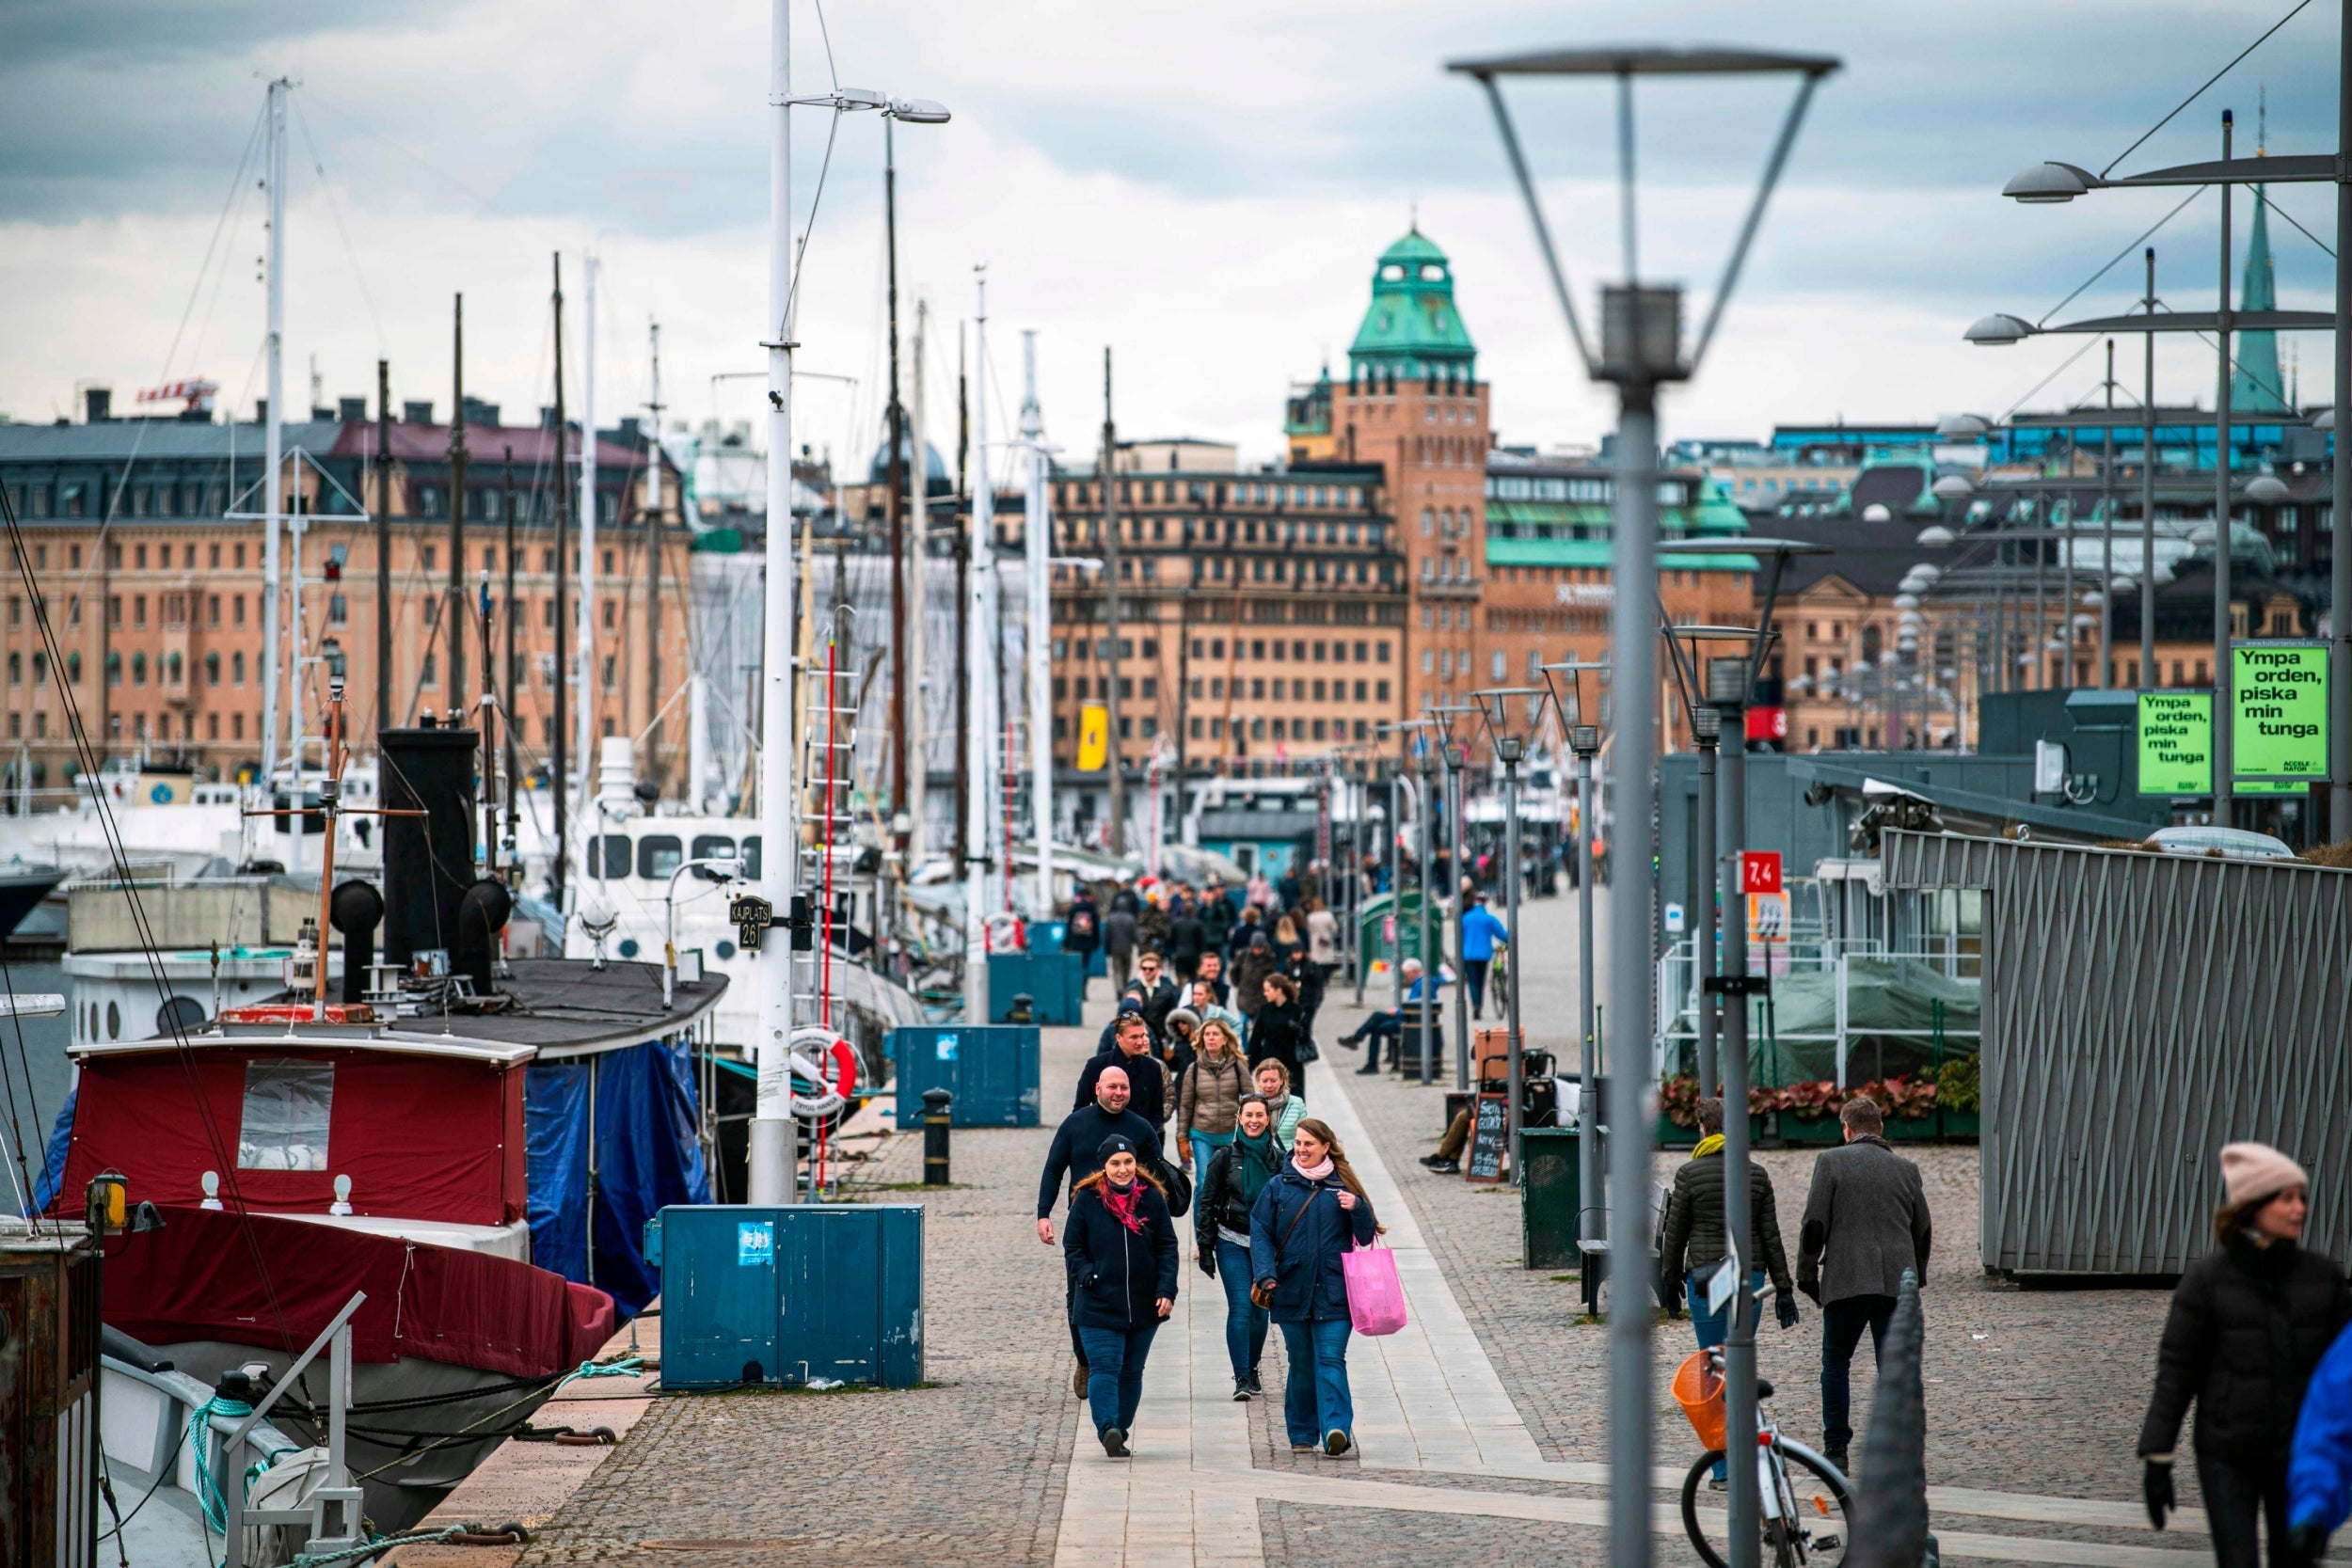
(1759,871)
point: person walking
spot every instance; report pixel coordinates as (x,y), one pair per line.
(1083,934)
(1482,933)
(1216,919)
(1232,1178)
(1311,1211)
(1690,1240)
(1212,975)
(1256,962)
(1147,1075)
(1866,1221)
(1121,1246)
(1287,1109)
(1159,991)
(1186,941)
(1205,1004)
(1118,943)
(1280,1031)
(2319,1466)
(2250,1323)
(1208,1102)
(1076,1151)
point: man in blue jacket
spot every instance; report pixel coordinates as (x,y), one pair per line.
(1481,931)
(2319,1466)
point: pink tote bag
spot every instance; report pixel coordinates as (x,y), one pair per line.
(1375,1297)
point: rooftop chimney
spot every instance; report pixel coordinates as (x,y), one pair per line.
(351,410)
(416,411)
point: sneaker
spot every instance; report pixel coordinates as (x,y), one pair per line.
(1078,1380)
(1241,1390)
(1114,1442)
(1367,1072)
(1444,1167)
(1434,1160)
(1837,1456)
(1255,1387)
(1335,1442)
(1305,1448)
(1718,1484)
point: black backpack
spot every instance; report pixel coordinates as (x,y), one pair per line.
(1178,1184)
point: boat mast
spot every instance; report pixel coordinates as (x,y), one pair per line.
(900,675)
(456,611)
(774,1160)
(273,422)
(653,569)
(980,669)
(587,697)
(385,717)
(512,672)
(558,875)
(918,597)
(1037,526)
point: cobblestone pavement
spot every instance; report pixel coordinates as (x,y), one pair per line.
(968,1469)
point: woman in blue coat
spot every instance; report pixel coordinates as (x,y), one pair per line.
(1121,1243)
(1301,1225)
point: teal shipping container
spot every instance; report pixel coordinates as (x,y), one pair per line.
(992,1070)
(790,1297)
(1054,982)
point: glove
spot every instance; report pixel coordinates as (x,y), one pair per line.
(1208,1261)
(1785,1309)
(2156,1485)
(2307,1542)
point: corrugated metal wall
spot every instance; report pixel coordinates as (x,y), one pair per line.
(2141,1011)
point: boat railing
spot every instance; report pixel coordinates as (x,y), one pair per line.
(148,1412)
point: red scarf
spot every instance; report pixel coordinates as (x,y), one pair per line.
(1123,1203)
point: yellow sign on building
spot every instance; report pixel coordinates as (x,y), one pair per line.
(1094,738)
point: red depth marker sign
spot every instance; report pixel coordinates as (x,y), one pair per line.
(1759,871)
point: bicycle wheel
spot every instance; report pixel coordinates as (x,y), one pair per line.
(1823,1514)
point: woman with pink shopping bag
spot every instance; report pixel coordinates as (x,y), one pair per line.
(1302,1230)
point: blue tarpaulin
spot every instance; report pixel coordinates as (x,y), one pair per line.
(647,1155)
(53,1158)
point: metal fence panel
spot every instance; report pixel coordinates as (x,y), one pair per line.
(2141,1010)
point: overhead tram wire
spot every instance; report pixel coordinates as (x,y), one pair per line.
(2200,91)
(144,931)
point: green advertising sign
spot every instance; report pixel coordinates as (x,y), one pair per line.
(2176,743)
(2278,727)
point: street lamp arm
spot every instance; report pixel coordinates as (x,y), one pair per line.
(2296,169)
(1756,210)
(1536,215)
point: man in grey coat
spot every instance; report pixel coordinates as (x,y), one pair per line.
(1866,1221)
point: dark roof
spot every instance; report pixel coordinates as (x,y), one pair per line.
(121,440)
(1871,556)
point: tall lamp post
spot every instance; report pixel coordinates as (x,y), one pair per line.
(1641,350)
(2051,182)
(1511,749)
(773,1156)
(1431,951)
(1584,741)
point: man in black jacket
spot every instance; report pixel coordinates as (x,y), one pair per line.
(1077,1153)
(1866,1221)
(1690,1240)
(1159,991)
(1147,1079)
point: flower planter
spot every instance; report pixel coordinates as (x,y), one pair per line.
(1961,1124)
(1913,1128)
(1819,1129)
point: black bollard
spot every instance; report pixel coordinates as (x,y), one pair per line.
(1024,1008)
(935,1122)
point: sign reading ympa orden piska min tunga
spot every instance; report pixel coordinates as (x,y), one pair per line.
(2278,710)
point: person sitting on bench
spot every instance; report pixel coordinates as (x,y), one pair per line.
(1390,1024)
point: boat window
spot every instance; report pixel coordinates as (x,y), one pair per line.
(287,1107)
(616,853)
(659,854)
(114,1022)
(747,859)
(178,1015)
(713,847)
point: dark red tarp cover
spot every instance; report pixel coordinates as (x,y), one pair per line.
(422,1137)
(195,1279)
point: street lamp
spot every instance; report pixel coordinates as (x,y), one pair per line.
(1405,729)
(1456,754)
(2059,182)
(1494,704)
(1706,728)
(1639,351)
(1584,741)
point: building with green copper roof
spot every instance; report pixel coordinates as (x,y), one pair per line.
(1412,327)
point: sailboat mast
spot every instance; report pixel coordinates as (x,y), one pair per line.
(385,717)
(1037,525)
(559,874)
(513,673)
(900,676)
(588,518)
(653,568)
(456,613)
(274,429)
(773,1165)
(980,671)
(919,597)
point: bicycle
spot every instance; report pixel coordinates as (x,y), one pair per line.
(1805,1503)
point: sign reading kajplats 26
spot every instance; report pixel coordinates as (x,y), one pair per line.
(2279,711)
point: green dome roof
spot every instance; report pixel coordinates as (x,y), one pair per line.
(1411,324)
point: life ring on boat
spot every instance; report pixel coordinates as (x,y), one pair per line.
(828,1062)
(1006,933)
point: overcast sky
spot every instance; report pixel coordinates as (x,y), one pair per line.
(1202,186)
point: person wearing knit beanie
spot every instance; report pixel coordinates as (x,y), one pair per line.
(2251,1171)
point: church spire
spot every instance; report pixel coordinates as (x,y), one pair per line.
(2255,386)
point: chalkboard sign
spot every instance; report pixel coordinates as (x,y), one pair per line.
(1486,1141)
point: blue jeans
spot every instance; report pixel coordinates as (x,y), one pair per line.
(1712,1327)
(1315,1399)
(1244,1323)
(1115,1359)
(1204,1148)
(1842,1323)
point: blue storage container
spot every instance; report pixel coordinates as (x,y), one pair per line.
(1046,936)
(1053,981)
(992,1070)
(785,1296)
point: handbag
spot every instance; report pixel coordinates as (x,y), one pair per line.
(1262,1295)
(1307,1050)
(1376,1296)
(1177,1186)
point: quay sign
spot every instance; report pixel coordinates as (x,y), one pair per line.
(2278,710)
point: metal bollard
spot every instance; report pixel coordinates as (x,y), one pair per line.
(935,1122)
(1024,1008)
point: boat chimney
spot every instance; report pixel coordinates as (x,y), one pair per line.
(355,911)
(481,915)
(428,858)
